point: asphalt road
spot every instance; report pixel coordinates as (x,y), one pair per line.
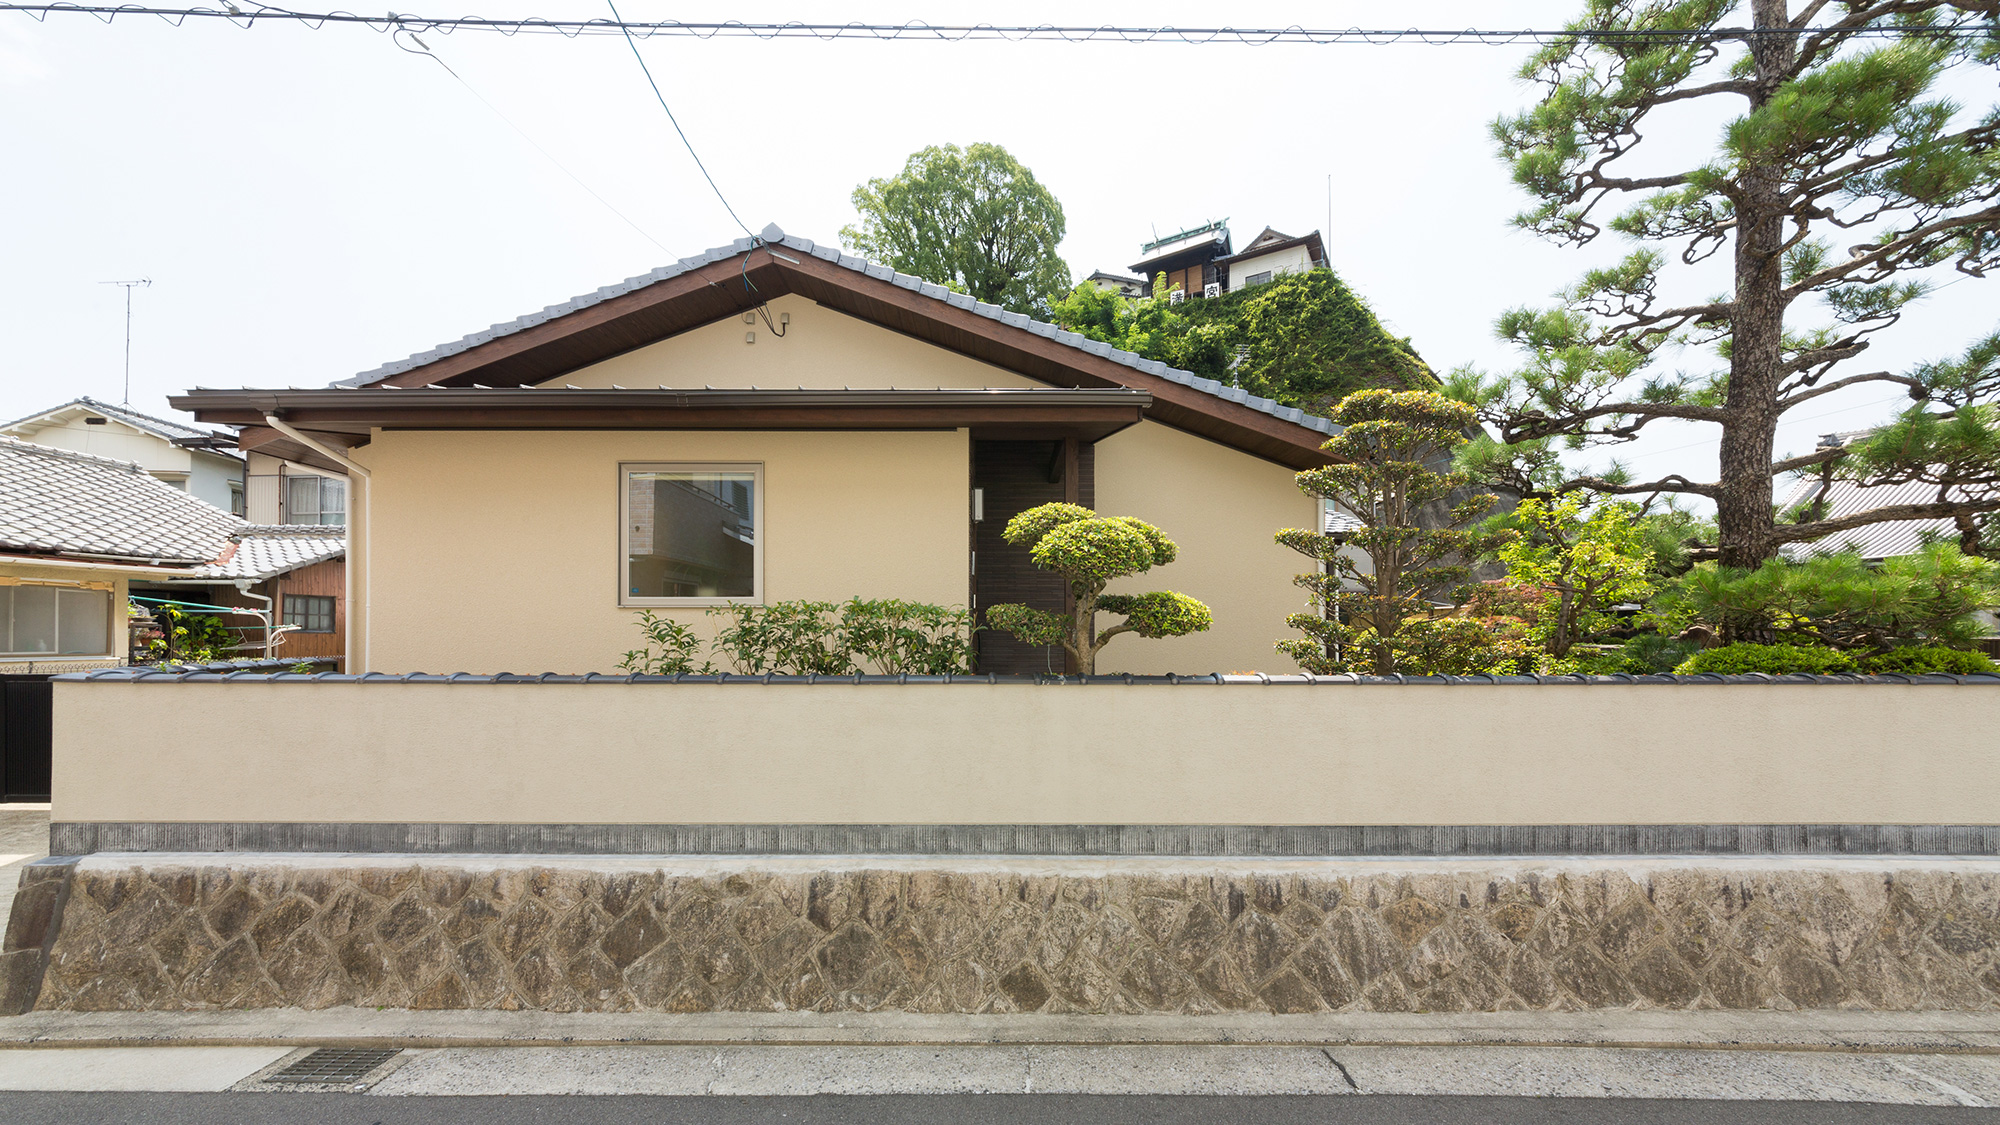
(956,1109)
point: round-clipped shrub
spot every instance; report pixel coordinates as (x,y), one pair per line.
(1162,613)
(1915,660)
(1775,660)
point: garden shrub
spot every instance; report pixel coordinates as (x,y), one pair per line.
(1915,660)
(802,638)
(1776,660)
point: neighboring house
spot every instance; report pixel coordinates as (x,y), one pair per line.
(81,535)
(298,574)
(1269,255)
(201,462)
(298,492)
(519,496)
(1118,283)
(1873,542)
(1201,263)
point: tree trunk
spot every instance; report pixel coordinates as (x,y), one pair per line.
(1745,523)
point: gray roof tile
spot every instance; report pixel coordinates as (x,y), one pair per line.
(263,550)
(52,500)
(772,235)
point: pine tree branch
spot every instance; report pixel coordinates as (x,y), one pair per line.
(1892,255)
(1741,86)
(1671,483)
(1888,513)
(1808,460)
(1847,381)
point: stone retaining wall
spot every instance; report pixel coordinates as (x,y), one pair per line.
(942,935)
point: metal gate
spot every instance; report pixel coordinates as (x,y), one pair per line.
(26,704)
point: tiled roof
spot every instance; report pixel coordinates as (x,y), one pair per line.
(262,550)
(159,427)
(52,500)
(773,236)
(1339,522)
(1874,540)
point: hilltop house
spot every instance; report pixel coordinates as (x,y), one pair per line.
(1200,262)
(774,420)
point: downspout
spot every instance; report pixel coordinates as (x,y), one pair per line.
(270,609)
(367,539)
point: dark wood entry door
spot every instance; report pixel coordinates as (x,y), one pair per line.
(26,703)
(1016,476)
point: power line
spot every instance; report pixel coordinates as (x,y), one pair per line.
(426,52)
(662,98)
(920,31)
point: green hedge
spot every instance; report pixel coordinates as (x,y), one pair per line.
(1778,660)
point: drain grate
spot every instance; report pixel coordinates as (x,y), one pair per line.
(334,1064)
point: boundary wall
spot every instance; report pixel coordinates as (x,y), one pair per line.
(1202,765)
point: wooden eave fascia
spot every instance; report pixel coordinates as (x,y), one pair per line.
(718,290)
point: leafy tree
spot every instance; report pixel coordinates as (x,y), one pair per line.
(1837,601)
(974,219)
(1373,597)
(1588,562)
(1304,339)
(187,637)
(1089,551)
(1844,183)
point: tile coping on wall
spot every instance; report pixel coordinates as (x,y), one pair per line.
(1197,843)
(236,673)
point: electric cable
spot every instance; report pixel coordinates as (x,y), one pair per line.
(1968,25)
(426,52)
(648,72)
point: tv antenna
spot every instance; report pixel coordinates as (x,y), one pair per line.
(129,286)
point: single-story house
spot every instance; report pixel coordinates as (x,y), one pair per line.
(82,536)
(775,420)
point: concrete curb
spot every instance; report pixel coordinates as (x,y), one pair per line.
(1837,1031)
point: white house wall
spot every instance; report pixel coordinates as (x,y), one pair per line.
(1291,260)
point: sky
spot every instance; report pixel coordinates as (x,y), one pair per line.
(311,204)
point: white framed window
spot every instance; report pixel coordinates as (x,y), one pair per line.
(49,620)
(320,500)
(692,534)
(1258,278)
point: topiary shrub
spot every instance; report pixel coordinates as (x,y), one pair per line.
(1089,551)
(1915,660)
(1775,660)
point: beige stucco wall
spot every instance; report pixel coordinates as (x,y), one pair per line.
(1221,507)
(500,551)
(118,636)
(1011,754)
(821,348)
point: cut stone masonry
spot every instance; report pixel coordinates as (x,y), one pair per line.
(1104,936)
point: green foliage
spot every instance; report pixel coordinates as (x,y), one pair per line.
(1916,660)
(1379,618)
(1304,339)
(801,638)
(677,643)
(187,637)
(1091,551)
(1838,600)
(1841,182)
(1774,660)
(973,219)
(1654,654)
(1587,560)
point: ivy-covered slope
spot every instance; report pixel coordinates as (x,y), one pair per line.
(1305,339)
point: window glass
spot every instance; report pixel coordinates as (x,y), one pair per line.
(34,619)
(83,621)
(310,612)
(691,533)
(302,499)
(1258,278)
(332,500)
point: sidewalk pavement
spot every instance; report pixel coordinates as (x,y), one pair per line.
(24,838)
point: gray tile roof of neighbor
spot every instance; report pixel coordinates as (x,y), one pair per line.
(159,427)
(262,550)
(1874,540)
(773,236)
(55,501)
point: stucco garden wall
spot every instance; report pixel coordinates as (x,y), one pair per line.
(969,754)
